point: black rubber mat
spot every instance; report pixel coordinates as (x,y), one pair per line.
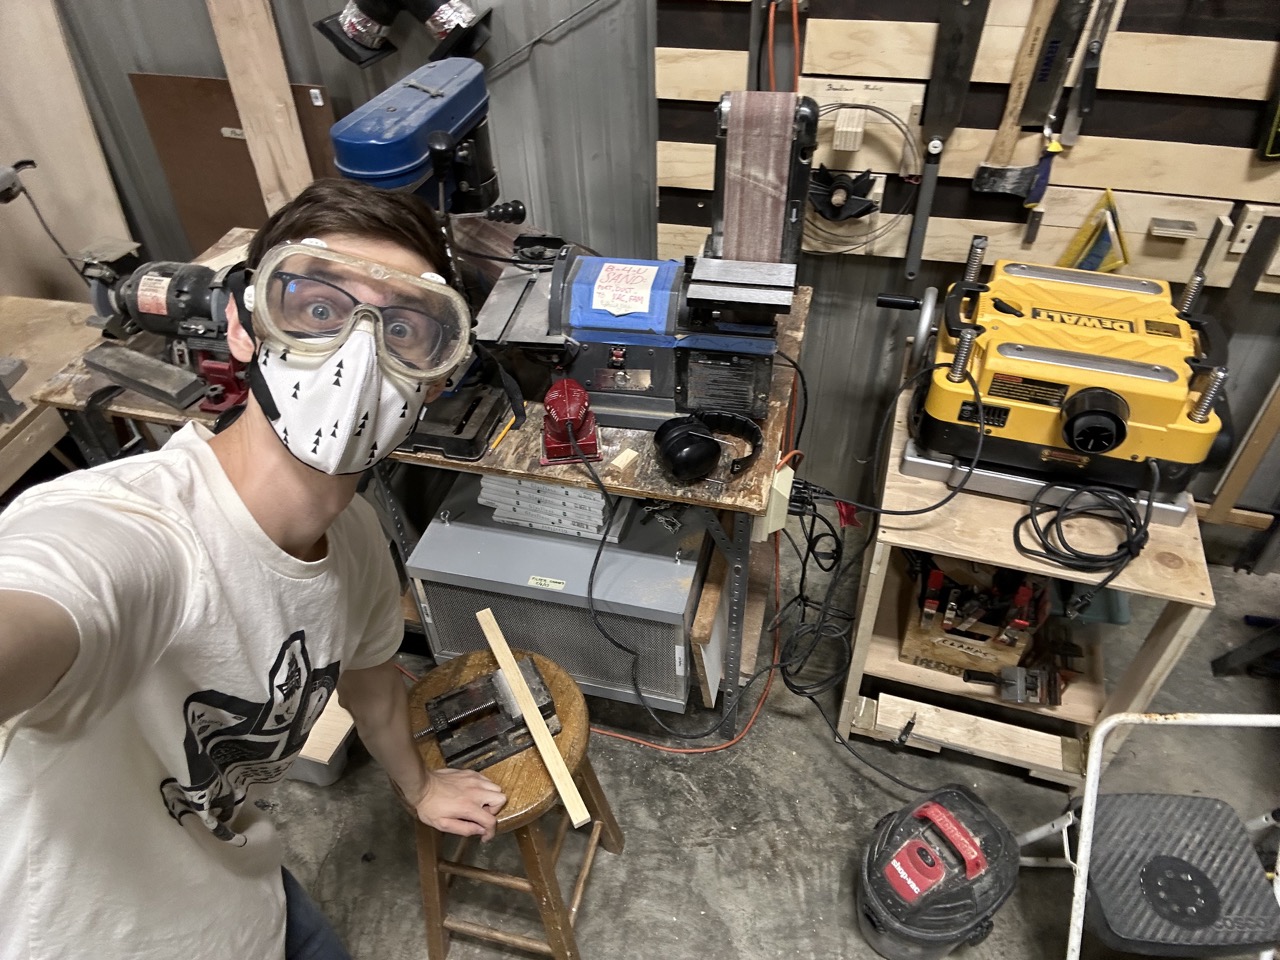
(1177,876)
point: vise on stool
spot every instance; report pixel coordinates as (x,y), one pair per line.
(480,722)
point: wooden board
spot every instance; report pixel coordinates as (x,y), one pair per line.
(677,240)
(1195,66)
(198,135)
(1043,755)
(690,166)
(1171,567)
(250,48)
(681,74)
(44,118)
(331,730)
(46,335)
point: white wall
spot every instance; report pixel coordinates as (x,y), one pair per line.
(43,117)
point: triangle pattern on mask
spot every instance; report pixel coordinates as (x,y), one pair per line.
(296,387)
(284,354)
(334,434)
(404,411)
(337,374)
(364,419)
(266,352)
(285,436)
(316,447)
(372,453)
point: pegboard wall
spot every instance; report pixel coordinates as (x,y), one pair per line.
(1173,133)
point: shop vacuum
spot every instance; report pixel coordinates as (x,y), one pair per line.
(933,875)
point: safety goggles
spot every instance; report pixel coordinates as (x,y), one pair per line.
(311,298)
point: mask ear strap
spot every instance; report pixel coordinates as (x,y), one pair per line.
(236,281)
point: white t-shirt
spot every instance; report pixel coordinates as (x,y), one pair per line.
(127,821)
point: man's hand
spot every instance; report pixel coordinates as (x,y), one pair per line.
(461,802)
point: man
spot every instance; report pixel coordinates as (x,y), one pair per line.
(172,624)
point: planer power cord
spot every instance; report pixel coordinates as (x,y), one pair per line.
(1047,522)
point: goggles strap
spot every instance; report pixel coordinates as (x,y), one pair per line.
(237,280)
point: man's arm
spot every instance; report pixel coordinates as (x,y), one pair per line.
(455,801)
(38,644)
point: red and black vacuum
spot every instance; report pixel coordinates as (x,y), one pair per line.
(933,875)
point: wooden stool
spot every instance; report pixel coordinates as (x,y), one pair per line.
(530,793)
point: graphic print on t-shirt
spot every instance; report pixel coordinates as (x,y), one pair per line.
(232,743)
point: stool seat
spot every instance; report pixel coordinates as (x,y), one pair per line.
(523,778)
(530,793)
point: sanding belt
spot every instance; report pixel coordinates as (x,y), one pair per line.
(757,173)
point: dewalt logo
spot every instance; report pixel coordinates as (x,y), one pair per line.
(1083,320)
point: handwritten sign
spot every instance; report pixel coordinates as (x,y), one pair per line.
(623,288)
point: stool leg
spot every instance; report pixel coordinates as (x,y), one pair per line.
(541,870)
(434,887)
(611,838)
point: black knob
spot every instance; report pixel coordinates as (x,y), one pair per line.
(1095,420)
(898,301)
(442,147)
(511,212)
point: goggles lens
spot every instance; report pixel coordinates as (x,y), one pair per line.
(313,298)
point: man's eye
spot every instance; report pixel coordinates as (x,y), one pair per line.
(321,312)
(399,330)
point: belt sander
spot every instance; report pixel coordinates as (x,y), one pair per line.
(1083,377)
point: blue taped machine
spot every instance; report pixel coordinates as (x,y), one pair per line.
(651,340)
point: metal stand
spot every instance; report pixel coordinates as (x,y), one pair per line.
(737,555)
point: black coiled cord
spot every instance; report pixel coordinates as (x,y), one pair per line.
(1047,523)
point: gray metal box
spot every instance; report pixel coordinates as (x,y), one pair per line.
(536,583)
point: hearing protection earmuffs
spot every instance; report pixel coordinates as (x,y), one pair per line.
(689,452)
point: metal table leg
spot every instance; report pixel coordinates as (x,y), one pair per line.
(737,555)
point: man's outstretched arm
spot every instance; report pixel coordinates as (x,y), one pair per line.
(38,644)
(455,801)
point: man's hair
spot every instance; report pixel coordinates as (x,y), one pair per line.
(358,210)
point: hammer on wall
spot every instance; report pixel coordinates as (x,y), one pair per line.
(996,174)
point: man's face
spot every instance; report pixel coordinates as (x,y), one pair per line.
(385,252)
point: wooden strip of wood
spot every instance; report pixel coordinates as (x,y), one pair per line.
(328,733)
(709,602)
(1195,66)
(683,74)
(690,166)
(533,718)
(1040,753)
(1186,169)
(678,240)
(1262,432)
(250,47)
(1235,517)
(1198,66)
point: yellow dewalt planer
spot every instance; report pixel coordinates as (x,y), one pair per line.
(1083,378)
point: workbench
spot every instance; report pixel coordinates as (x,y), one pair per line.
(950,713)
(71,389)
(45,334)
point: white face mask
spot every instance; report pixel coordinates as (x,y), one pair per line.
(341,413)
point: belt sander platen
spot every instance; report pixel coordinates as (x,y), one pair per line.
(480,723)
(1084,378)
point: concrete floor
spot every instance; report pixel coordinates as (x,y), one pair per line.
(750,852)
